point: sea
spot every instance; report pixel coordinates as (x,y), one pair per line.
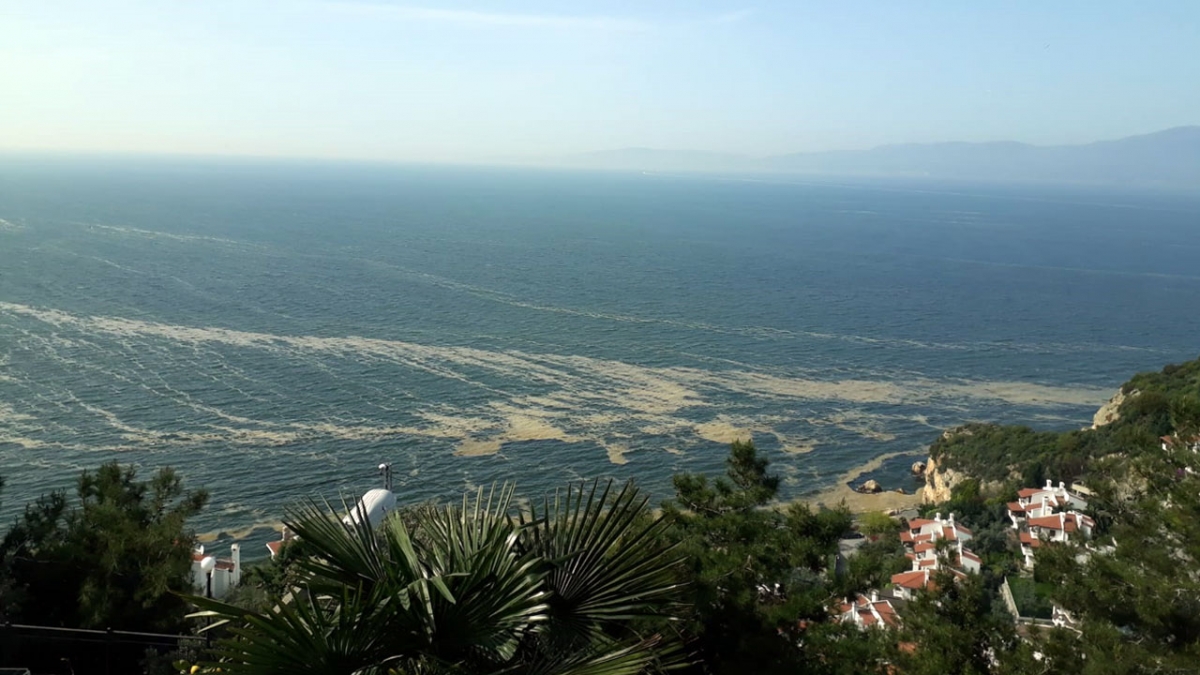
(275,330)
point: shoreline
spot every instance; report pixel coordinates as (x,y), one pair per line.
(865,502)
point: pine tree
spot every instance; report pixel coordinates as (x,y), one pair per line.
(115,557)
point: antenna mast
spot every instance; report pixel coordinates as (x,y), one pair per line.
(386,470)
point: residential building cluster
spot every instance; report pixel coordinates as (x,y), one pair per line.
(1052,513)
(1048,514)
(932,545)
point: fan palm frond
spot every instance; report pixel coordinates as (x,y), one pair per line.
(606,562)
(467,588)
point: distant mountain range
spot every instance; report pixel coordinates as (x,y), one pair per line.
(1169,158)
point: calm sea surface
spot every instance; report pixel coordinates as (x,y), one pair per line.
(277,330)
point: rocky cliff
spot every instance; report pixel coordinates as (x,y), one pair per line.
(996,455)
(1111,411)
(940,480)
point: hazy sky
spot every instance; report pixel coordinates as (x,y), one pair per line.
(490,80)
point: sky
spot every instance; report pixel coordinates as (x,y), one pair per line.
(514,81)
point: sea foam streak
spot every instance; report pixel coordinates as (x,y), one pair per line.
(580,398)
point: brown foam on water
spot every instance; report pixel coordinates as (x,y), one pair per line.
(722,431)
(579,399)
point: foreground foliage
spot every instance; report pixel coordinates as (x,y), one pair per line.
(755,576)
(115,556)
(471,588)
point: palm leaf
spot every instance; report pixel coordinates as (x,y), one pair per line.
(308,635)
(468,588)
(607,563)
(497,589)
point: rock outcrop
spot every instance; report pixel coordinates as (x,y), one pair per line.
(870,487)
(939,482)
(918,468)
(1111,411)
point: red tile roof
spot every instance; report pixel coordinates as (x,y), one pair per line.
(221,563)
(1172,440)
(1028,492)
(1068,522)
(911,579)
(887,613)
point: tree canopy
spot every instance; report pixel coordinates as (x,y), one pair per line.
(753,573)
(116,555)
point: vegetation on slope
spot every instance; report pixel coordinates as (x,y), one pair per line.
(1156,405)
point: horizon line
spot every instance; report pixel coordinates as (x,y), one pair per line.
(547,161)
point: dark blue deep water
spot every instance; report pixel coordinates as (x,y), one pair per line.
(276,330)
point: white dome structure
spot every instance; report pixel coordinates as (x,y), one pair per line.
(375,504)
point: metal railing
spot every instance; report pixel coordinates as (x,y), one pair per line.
(78,651)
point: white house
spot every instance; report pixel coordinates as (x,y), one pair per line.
(924,530)
(1039,502)
(932,544)
(868,612)
(926,555)
(224,573)
(1056,527)
(927,559)
(906,584)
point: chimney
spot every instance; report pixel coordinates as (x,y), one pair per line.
(1062,485)
(874,596)
(1049,484)
(235,552)
(952,518)
(937,518)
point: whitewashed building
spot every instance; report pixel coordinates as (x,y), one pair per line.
(1039,502)
(214,577)
(868,612)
